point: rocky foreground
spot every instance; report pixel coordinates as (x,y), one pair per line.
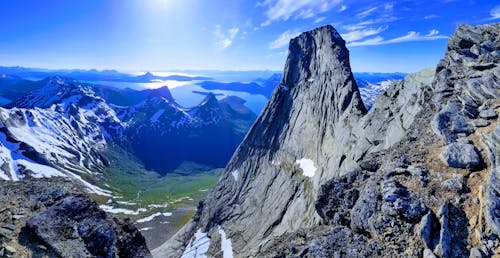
(53,218)
(320,176)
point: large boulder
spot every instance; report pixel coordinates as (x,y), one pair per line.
(76,227)
(460,155)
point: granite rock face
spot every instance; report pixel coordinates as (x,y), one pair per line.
(319,176)
(53,218)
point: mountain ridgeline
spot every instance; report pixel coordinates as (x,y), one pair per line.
(75,128)
(320,176)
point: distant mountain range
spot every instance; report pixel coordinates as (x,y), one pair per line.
(64,127)
(92,75)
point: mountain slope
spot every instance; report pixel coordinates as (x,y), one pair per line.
(64,126)
(322,177)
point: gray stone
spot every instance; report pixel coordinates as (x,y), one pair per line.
(428,254)
(75,226)
(460,155)
(475,253)
(420,172)
(455,183)
(488,114)
(5,233)
(429,230)
(10,249)
(398,201)
(453,235)
(481,123)
(17,217)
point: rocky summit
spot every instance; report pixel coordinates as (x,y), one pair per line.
(320,176)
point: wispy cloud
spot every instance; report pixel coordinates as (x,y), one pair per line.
(283,39)
(298,9)
(411,36)
(384,19)
(356,35)
(366,13)
(319,19)
(495,13)
(342,8)
(224,39)
(431,16)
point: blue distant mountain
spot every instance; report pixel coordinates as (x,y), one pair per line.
(93,75)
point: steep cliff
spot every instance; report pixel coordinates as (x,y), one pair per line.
(318,175)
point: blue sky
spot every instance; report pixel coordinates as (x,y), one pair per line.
(139,35)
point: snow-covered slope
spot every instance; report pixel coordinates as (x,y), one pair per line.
(370,90)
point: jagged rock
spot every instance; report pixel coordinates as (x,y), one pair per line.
(449,122)
(428,254)
(317,100)
(453,236)
(475,253)
(5,233)
(481,123)
(323,242)
(454,183)
(488,114)
(337,197)
(366,208)
(398,201)
(429,230)
(75,226)
(420,172)
(10,249)
(460,155)
(492,195)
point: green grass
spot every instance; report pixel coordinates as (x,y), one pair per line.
(127,177)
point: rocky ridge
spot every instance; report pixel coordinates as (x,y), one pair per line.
(417,175)
(53,218)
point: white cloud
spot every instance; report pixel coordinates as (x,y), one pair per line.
(283,39)
(343,8)
(495,13)
(356,35)
(431,16)
(366,13)
(432,33)
(298,9)
(224,39)
(379,20)
(319,19)
(411,36)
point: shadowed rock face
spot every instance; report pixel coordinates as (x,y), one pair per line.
(53,218)
(316,156)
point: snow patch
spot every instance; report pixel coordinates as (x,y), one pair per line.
(235,174)
(145,229)
(126,203)
(157,115)
(226,245)
(165,205)
(198,246)
(152,216)
(307,166)
(113,210)
(283,87)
